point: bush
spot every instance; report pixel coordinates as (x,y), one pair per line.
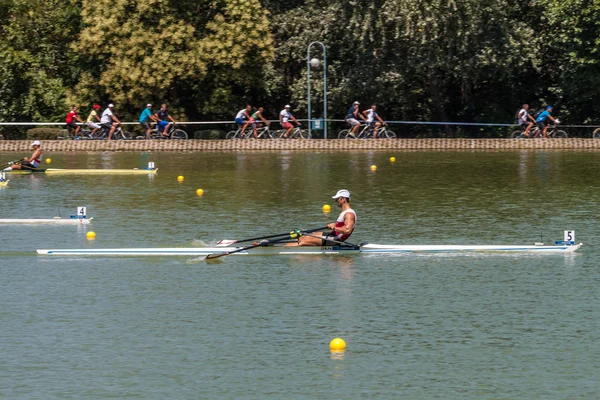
(210,134)
(42,133)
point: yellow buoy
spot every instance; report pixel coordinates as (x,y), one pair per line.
(180,178)
(200,192)
(373,167)
(48,160)
(337,344)
(392,159)
(326,208)
(91,235)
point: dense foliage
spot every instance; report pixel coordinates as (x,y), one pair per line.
(439,60)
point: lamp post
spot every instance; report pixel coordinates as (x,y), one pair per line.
(315,64)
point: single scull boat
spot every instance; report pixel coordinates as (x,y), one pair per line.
(565,247)
(58,171)
(44,221)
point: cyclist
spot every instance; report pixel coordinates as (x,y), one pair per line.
(254,118)
(145,118)
(164,121)
(372,115)
(284,120)
(90,119)
(542,118)
(352,118)
(70,120)
(109,120)
(242,119)
(523,118)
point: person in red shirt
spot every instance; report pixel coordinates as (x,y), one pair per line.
(71,118)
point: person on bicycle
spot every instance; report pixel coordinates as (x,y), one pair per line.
(242,119)
(164,121)
(29,162)
(145,117)
(542,118)
(284,120)
(90,119)
(371,115)
(70,120)
(523,118)
(254,118)
(109,120)
(352,118)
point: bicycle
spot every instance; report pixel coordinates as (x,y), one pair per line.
(264,133)
(596,133)
(520,133)
(68,134)
(118,134)
(348,134)
(535,132)
(297,132)
(238,134)
(175,134)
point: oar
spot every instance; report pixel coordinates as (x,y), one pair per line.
(8,164)
(226,242)
(265,242)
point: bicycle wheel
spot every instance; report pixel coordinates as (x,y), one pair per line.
(303,133)
(85,134)
(342,134)
(179,134)
(63,135)
(386,134)
(126,135)
(279,134)
(155,134)
(231,135)
(560,134)
(596,133)
(517,134)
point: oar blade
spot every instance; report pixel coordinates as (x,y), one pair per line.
(226,242)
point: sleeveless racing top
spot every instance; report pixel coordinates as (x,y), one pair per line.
(339,223)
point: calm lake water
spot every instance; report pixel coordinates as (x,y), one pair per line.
(417,326)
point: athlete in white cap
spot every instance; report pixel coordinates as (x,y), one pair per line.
(30,162)
(341,229)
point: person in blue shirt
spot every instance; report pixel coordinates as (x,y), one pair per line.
(352,118)
(145,117)
(542,118)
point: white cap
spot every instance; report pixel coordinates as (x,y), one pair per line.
(356,102)
(111,105)
(342,193)
(148,105)
(36,143)
(287,106)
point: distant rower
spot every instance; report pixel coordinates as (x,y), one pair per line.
(30,162)
(341,229)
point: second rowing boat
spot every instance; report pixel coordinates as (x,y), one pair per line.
(44,221)
(58,171)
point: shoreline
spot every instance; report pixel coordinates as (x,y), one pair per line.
(303,145)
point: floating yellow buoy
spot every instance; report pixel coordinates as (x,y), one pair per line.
(200,192)
(180,178)
(48,160)
(392,159)
(326,208)
(337,344)
(373,167)
(91,235)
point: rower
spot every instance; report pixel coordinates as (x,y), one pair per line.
(341,229)
(30,162)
